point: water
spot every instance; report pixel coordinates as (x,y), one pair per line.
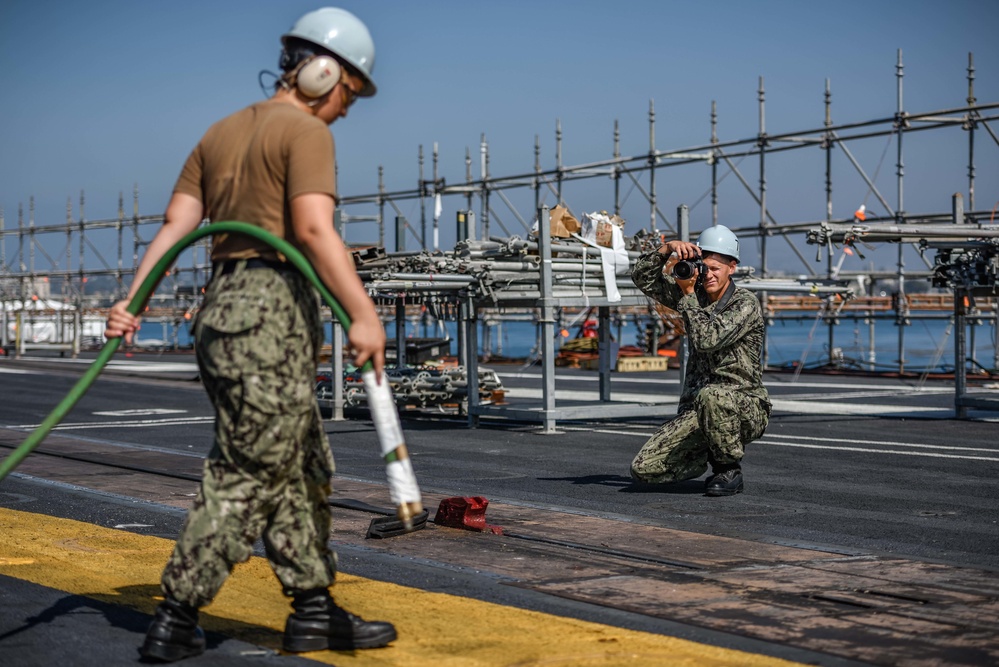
(929,344)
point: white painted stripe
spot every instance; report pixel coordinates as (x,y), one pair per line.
(605,430)
(152,366)
(136,424)
(867,387)
(866,450)
(17,371)
(573,395)
(888,443)
(84,427)
(878,451)
(122,364)
(873,393)
(824,408)
(139,412)
(781,405)
(121,424)
(899,388)
(591,378)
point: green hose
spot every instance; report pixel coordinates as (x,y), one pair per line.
(138,303)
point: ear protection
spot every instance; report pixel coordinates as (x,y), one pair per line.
(316,76)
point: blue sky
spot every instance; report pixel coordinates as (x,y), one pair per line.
(101,95)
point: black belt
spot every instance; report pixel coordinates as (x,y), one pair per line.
(228,266)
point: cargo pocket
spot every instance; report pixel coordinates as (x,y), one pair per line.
(232,312)
(756,418)
(251,332)
(217,331)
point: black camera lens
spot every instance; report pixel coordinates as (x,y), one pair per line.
(685,269)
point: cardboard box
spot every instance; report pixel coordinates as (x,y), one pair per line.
(630,364)
(563,224)
(605,234)
(601,226)
(640,364)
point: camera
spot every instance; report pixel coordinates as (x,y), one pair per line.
(686,268)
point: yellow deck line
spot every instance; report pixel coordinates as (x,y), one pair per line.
(435,629)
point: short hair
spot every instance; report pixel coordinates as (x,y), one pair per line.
(726,258)
(296,50)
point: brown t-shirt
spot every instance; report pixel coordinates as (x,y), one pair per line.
(250,165)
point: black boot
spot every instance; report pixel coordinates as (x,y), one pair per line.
(318,624)
(727,480)
(174,633)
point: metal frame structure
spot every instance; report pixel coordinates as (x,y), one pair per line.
(966,261)
(177,295)
(548,414)
(829,137)
(179,291)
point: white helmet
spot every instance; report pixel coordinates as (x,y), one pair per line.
(719,239)
(344,35)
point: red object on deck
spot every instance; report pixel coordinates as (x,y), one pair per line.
(468,513)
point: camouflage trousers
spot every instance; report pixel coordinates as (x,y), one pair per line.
(268,473)
(716,427)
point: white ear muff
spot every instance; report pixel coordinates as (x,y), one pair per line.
(318,76)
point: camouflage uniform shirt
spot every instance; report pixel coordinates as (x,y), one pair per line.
(726,337)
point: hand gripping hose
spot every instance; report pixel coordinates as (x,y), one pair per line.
(403,489)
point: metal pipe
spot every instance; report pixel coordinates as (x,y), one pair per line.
(617,174)
(970,127)
(652,163)
(547,322)
(714,163)
(432,277)
(901,124)
(423,201)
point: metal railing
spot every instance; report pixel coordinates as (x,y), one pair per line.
(93,250)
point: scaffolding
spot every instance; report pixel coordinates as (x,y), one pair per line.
(71,277)
(87,242)
(971,117)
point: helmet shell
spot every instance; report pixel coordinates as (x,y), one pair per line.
(719,239)
(344,35)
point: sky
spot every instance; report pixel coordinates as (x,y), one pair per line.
(107,95)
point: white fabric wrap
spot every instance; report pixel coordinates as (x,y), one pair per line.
(614,261)
(402,481)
